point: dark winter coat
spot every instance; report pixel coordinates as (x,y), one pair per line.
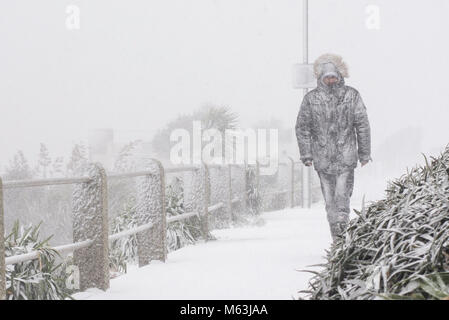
(332,127)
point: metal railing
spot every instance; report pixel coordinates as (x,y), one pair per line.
(152,242)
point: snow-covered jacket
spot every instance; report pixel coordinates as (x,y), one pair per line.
(332,127)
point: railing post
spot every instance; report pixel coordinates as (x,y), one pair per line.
(229,194)
(245,189)
(152,243)
(90,221)
(204,204)
(309,174)
(257,178)
(303,186)
(292,183)
(197,196)
(2,247)
(307,192)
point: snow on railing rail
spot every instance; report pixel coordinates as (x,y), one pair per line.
(35,254)
(191,214)
(181,169)
(235,200)
(115,176)
(182,216)
(147,226)
(73,246)
(215,207)
(43,182)
(130,232)
(122,234)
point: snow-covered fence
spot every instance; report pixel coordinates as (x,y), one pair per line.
(2,247)
(151,243)
(209,191)
(239,187)
(90,222)
(220,192)
(276,189)
(197,196)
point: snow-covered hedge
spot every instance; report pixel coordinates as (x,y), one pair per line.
(179,233)
(398,247)
(39,279)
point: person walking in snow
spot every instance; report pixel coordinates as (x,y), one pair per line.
(333,133)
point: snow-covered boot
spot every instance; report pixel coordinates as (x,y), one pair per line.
(337,230)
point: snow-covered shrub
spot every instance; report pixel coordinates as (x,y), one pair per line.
(179,233)
(397,247)
(253,192)
(218,177)
(51,204)
(39,279)
(184,232)
(123,250)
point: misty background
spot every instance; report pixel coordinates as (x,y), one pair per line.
(134,65)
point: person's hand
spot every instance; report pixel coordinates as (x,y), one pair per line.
(364,163)
(308,163)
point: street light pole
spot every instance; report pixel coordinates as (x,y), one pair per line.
(307,176)
(305,33)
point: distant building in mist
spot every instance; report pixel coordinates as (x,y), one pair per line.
(105,146)
(101,147)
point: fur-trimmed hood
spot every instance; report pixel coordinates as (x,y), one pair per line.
(336,60)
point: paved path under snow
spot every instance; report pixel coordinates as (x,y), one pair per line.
(255,262)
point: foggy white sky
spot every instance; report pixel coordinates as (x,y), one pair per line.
(134,65)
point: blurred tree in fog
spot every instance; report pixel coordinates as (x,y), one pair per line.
(57,167)
(126,159)
(18,168)
(77,161)
(211,116)
(43,161)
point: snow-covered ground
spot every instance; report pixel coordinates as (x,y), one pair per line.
(254,262)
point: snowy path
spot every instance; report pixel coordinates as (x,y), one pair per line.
(255,262)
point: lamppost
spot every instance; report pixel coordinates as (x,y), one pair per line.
(304,78)
(307,177)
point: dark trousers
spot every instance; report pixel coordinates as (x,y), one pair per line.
(337,191)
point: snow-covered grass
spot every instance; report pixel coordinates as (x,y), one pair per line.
(253,262)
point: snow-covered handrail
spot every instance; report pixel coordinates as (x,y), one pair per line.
(181,216)
(181,169)
(43,182)
(215,207)
(144,227)
(130,232)
(22,258)
(115,176)
(73,246)
(83,244)
(35,254)
(90,211)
